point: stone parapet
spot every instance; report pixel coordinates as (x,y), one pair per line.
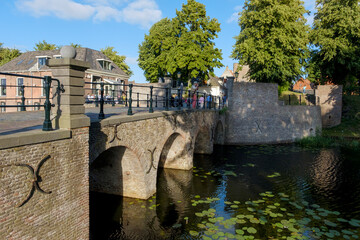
(69,106)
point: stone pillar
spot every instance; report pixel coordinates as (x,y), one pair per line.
(329,98)
(69,107)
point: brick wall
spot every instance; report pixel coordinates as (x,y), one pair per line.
(62,214)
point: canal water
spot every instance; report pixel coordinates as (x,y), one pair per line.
(245,192)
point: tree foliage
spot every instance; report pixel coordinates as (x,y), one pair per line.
(119,60)
(336,36)
(183,44)
(8,54)
(41,46)
(273,40)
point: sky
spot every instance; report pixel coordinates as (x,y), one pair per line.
(97,24)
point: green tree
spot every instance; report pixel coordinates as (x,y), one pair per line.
(183,44)
(75,45)
(273,40)
(119,60)
(8,54)
(154,52)
(336,37)
(41,46)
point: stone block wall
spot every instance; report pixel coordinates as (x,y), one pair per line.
(62,214)
(125,152)
(255,117)
(329,97)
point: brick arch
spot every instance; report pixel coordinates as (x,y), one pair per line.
(204,140)
(119,171)
(219,134)
(175,153)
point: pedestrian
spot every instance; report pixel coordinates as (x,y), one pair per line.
(208,101)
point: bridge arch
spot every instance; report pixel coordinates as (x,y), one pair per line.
(174,153)
(203,141)
(219,136)
(118,171)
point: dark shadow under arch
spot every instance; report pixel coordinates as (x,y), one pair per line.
(219,137)
(203,142)
(116,171)
(172,151)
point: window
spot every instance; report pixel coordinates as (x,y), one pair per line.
(57,56)
(3,87)
(105,64)
(3,108)
(20,82)
(43,88)
(41,61)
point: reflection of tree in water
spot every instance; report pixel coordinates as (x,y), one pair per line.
(326,171)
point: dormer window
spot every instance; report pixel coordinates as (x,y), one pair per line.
(105,64)
(41,61)
(57,56)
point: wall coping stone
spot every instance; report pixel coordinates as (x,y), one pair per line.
(32,137)
(143,116)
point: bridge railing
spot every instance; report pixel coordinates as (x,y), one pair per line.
(19,97)
(101,94)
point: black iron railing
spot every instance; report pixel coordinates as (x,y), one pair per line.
(21,95)
(101,94)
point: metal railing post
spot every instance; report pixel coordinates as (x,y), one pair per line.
(47,126)
(151,110)
(166,99)
(289,99)
(101,113)
(147,100)
(178,93)
(22,91)
(219,102)
(188,100)
(300,100)
(156,101)
(113,98)
(130,100)
(138,101)
(197,100)
(126,98)
(204,101)
(96,98)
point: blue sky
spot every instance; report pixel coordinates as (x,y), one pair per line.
(97,24)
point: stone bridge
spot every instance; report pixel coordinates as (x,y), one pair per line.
(125,152)
(46,177)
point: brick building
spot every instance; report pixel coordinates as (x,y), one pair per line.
(34,64)
(301,83)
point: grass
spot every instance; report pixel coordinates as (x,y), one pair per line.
(294,98)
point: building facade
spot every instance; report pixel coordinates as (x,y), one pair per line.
(34,64)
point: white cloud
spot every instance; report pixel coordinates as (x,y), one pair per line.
(142,12)
(137,12)
(235,16)
(65,9)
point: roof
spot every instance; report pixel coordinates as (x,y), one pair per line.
(28,60)
(214,81)
(227,73)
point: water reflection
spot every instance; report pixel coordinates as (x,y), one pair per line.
(326,171)
(327,177)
